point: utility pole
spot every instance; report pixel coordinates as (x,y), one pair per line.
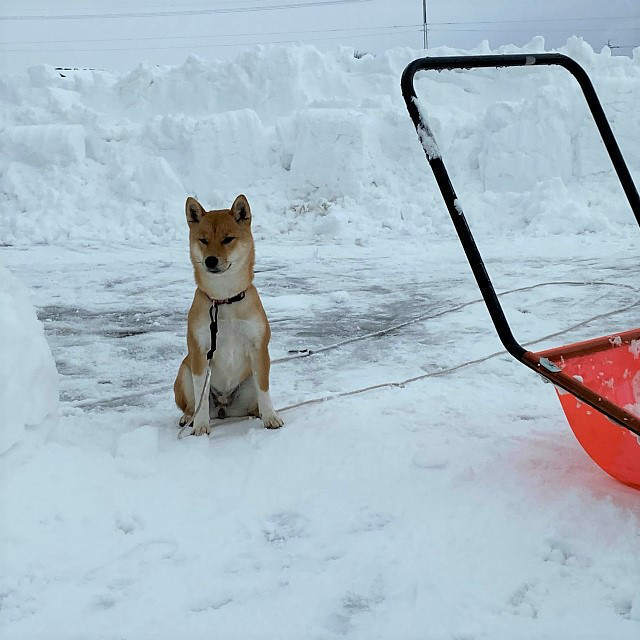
(425,33)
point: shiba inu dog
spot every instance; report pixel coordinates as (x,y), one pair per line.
(227,329)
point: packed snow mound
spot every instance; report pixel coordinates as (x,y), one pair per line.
(320,142)
(29,389)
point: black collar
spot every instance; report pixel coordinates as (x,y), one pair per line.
(236,298)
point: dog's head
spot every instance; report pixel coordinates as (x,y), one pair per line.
(220,241)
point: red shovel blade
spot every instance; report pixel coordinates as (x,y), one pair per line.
(610,367)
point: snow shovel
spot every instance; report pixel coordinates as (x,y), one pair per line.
(598,381)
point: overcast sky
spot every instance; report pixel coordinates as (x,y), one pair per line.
(118,34)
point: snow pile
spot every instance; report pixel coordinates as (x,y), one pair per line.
(317,141)
(29,389)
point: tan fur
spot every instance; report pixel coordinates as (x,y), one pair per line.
(243,329)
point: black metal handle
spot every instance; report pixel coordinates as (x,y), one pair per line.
(442,177)
(534,361)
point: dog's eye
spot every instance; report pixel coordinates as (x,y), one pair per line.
(204,241)
(228,239)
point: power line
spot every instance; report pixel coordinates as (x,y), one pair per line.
(532,28)
(206,46)
(390,28)
(211,37)
(356,31)
(183,12)
(527,20)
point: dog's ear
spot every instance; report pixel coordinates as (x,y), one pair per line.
(240,210)
(193,210)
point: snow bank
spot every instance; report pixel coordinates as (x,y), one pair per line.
(29,389)
(312,138)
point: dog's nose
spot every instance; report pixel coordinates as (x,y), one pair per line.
(211,262)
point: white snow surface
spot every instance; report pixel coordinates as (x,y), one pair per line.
(458,506)
(29,380)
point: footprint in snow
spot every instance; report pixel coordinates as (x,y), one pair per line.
(522,601)
(284,526)
(558,552)
(431,460)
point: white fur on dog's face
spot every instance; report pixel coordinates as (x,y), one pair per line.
(234,259)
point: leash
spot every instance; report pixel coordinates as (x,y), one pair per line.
(213,314)
(213,330)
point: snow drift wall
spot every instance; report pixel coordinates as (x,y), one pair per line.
(29,389)
(317,141)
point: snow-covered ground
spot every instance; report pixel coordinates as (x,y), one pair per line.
(455,506)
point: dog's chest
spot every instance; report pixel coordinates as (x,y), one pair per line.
(235,340)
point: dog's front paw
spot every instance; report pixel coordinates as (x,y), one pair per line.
(272,420)
(185,419)
(201,429)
